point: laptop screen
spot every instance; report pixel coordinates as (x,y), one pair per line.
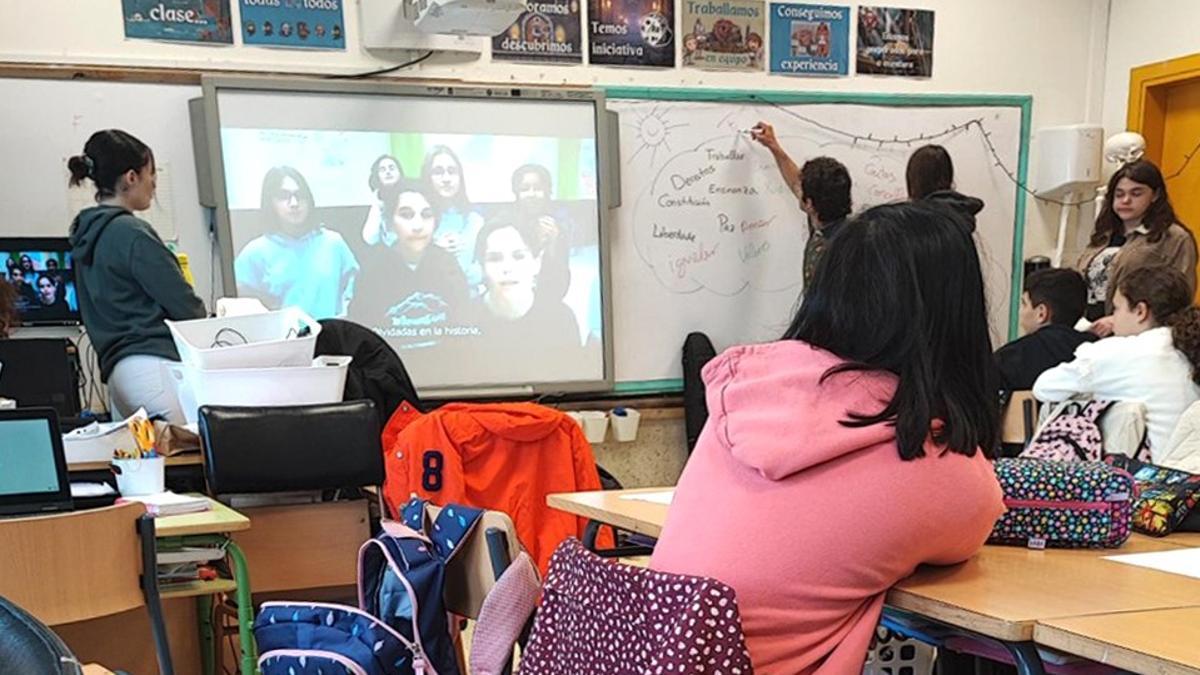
(27,457)
(33,467)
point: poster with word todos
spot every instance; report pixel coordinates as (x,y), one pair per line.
(632,32)
(307,24)
(723,34)
(548,30)
(809,39)
(204,21)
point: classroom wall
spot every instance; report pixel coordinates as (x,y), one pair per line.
(1142,32)
(1046,49)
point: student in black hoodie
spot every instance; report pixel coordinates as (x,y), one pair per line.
(930,175)
(1053,302)
(127,280)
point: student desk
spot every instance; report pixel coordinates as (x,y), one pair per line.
(1002,593)
(213,528)
(1165,641)
(188,459)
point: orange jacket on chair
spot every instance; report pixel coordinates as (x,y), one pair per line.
(500,456)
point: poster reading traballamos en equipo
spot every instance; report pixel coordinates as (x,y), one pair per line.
(548,30)
(723,34)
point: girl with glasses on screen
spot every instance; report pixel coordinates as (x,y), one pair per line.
(458,222)
(298,262)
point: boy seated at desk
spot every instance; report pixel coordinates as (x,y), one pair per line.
(1053,302)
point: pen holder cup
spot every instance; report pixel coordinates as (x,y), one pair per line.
(137,477)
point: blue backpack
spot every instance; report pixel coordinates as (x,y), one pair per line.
(401,625)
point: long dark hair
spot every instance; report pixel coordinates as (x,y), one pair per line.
(1159,215)
(900,290)
(929,170)
(271,184)
(459,200)
(107,156)
(373,180)
(1166,294)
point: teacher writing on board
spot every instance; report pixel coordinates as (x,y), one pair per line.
(823,187)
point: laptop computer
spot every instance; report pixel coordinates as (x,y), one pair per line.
(33,466)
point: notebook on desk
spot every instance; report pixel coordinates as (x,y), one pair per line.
(33,466)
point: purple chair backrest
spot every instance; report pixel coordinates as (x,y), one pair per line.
(598,616)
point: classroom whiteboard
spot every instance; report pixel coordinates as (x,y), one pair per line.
(709,238)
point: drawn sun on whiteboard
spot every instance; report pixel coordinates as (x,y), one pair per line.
(653,129)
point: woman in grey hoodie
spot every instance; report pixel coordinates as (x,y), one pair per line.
(128,280)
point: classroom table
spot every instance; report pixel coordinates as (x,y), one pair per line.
(1001,593)
(213,528)
(186,459)
(1161,641)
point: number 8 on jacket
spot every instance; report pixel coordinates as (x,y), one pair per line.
(432,463)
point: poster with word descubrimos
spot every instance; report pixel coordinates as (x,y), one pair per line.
(895,41)
(548,30)
(723,34)
(306,24)
(204,21)
(632,33)
(809,39)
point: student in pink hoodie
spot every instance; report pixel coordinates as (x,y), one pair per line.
(838,459)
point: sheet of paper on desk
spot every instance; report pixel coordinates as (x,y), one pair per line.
(1185,561)
(663,497)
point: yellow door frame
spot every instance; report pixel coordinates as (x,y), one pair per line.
(1148,88)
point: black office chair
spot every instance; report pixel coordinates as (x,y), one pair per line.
(29,646)
(257,450)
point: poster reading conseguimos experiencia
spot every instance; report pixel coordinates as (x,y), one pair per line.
(809,39)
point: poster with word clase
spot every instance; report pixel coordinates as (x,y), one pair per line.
(202,21)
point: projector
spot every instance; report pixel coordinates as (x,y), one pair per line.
(466,17)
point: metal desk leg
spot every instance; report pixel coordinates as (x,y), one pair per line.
(1029,662)
(204,612)
(245,609)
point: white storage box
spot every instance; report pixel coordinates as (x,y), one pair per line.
(323,381)
(265,340)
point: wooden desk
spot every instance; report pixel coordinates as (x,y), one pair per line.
(220,519)
(218,523)
(189,459)
(607,507)
(1004,591)
(1165,641)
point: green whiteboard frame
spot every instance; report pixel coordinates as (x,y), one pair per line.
(1022,101)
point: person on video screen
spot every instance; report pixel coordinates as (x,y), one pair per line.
(514,311)
(413,284)
(532,188)
(298,262)
(458,222)
(384,171)
(26,296)
(51,304)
